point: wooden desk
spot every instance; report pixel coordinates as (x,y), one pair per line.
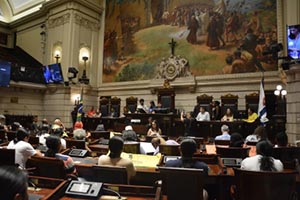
(217,182)
(91,123)
(44,186)
(56,188)
(165,120)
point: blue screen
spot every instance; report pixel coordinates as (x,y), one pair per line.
(5,68)
(53,73)
(293,41)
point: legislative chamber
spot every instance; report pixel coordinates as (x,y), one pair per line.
(162,99)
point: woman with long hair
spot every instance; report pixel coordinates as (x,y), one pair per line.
(263,161)
(154,130)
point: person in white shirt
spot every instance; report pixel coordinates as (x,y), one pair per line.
(203,115)
(263,161)
(225,135)
(23,150)
(142,108)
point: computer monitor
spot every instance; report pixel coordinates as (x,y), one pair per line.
(5,69)
(293,41)
(53,73)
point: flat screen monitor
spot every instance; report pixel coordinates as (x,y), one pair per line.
(293,41)
(5,68)
(53,73)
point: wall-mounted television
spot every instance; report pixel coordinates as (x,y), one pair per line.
(53,73)
(293,41)
(5,68)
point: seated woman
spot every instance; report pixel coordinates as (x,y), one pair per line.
(228,116)
(54,147)
(13,183)
(252,116)
(115,146)
(263,161)
(154,131)
(23,149)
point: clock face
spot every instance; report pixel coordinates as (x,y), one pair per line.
(170,71)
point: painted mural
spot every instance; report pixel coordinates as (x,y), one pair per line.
(215,36)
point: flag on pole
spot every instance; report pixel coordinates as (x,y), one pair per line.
(262,109)
(80,107)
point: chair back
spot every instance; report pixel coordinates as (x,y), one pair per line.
(199,140)
(175,183)
(131,147)
(265,185)
(110,174)
(212,159)
(222,142)
(2,135)
(131,104)
(232,152)
(100,134)
(205,101)
(229,101)
(169,150)
(289,156)
(47,167)
(232,156)
(7,157)
(77,144)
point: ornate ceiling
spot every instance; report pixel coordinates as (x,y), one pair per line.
(11,10)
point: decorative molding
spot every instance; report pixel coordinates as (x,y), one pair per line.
(88,24)
(58,21)
(173,67)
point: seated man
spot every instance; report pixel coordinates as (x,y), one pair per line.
(203,115)
(225,135)
(142,108)
(115,146)
(129,134)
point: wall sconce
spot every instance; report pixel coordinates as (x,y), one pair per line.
(280,92)
(57,56)
(84,79)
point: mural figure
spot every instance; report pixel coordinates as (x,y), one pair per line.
(214,36)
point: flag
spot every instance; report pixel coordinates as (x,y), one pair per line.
(262,109)
(80,107)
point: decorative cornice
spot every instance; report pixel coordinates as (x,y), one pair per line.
(88,24)
(58,21)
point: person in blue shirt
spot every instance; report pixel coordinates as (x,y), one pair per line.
(225,133)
